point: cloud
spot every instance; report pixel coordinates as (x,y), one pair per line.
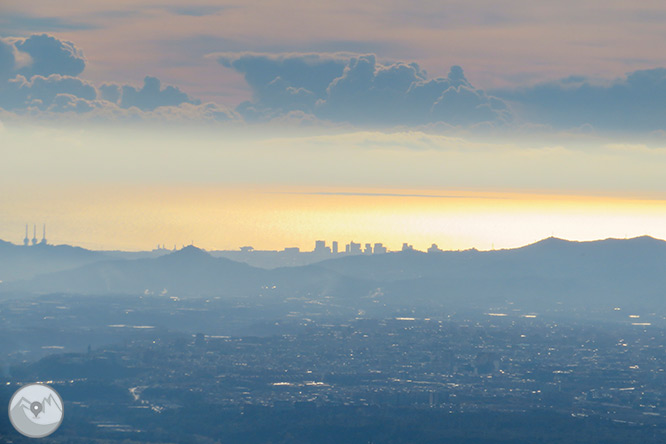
(49,55)
(40,91)
(633,103)
(189,112)
(7,60)
(66,107)
(284,82)
(392,141)
(70,103)
(110,92)
(20,23)
(357,89)
(35,70)
(150,96)
(57,94)
(39,79)
(197,10)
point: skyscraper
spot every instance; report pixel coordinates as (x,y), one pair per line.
(320,247)
(379,248)
(353,248)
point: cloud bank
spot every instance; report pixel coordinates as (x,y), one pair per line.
(359,90)
(42,76)
(632,103)
(39,76)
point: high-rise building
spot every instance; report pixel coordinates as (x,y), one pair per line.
(379,248)
(368,249)
(320,247)
(353,248)
(334,247)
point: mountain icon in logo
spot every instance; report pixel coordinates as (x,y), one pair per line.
(36,410)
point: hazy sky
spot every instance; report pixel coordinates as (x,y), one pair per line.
(128,124)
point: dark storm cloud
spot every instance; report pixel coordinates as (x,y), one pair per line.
(634,103)
(359,90)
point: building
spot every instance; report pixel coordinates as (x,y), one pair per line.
(334,247)
(368,249)
(434,249)
(379,248)
(353,248)
(321,248)
(319,245)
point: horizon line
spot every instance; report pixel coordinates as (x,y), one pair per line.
(297,250)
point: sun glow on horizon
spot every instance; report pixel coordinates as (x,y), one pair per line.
(216,218)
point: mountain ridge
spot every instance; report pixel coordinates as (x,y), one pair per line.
(553,269)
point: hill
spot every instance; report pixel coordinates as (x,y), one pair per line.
(548,273)
(20,262)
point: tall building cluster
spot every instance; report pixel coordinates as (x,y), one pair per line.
(351,248)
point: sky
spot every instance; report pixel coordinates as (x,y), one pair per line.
(485,124)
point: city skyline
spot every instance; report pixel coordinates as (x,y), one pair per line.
(320,247)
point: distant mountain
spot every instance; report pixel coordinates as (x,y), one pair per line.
(21,262)
(550,257)
(186,272)
(550,271)
(544,274)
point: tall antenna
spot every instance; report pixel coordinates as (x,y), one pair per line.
(34,234)
(26,241)
(43,242)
